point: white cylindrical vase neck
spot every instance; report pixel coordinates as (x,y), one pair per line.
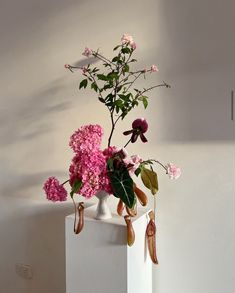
(103,211)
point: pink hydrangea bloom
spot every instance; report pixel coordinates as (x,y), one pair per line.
(154,68)
(54,190)
(87,52)
(173,171)
(90,167)
(86,139)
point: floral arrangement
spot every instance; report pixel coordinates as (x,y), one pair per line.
(111,169)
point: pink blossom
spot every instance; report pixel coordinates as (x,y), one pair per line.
(87,52)
(127,39)
(133,45)
(133,163)
(91,169)
(173,171)
(54,190)
(67,66)
(154,68)
(84,69)
(109,151)
(86,139)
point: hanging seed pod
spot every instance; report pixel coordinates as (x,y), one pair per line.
(80,224)
(140,195)
(130,231)
(151,238)
(120,207)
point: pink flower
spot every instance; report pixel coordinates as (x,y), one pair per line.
(84,69)
(67,66)
(132,163)
(133,45)
(87,52)
(173,171)
(91,169)
(54,190)
(127,39)
(109,151)
(86,139)
(154,68)
(139,127)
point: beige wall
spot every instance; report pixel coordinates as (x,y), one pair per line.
(192,43)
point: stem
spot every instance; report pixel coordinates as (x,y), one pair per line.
(65,182)
(113,127)
(156,161)
(127,143)
(134,81)
(155,86)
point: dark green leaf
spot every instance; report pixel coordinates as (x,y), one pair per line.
(102,77)
(76,187)
(122,186)
(137,171)
(94,86)
(83,83)
(115,48)
(116,59)
(102,100)
(126,68)
(126,50)
(118,103)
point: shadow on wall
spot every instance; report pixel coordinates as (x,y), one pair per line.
(197,59)
(25,121)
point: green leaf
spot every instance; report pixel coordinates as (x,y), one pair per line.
(150,180)
(76,187)
(122,185)
(115,48)
(116,59)
(94,86)
(126,50)
(126,68)
(145,102)
(137,171)
(112,75)
(102,77)
(118,103)
(133,60)
(101,100)
(83,83)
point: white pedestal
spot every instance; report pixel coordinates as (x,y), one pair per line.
(98,260)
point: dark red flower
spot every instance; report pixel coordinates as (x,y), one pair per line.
(139,127)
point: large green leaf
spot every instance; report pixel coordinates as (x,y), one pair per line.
(150,180)
(122,185)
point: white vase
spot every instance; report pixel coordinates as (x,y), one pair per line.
(103,211)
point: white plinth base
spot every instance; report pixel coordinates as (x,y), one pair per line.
(98,260)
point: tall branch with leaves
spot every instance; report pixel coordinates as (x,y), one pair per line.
(115,86)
